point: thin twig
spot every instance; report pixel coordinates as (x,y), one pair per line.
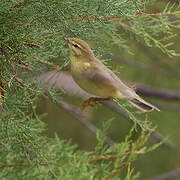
(103,158)
(2,91)
(45,62)
(33,45)
(28,164)
(116,171)
(24,67)
(20,81)
(20,61)
(18,5)
(11,79)
(167,176)
(135,15)
(113,156)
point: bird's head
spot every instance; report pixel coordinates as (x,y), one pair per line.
(79,48)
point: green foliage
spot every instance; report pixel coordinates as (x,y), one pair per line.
(32,32)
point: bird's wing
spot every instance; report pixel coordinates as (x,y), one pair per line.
(105,77)
(63,80)
(100,78)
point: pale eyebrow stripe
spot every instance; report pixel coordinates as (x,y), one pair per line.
(75,43)
(80,46)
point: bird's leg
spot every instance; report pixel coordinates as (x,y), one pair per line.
(92,101)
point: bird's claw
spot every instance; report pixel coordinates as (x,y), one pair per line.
(90,102)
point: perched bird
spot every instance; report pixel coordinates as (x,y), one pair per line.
(95,78)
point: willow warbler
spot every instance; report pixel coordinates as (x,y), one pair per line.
(95,78)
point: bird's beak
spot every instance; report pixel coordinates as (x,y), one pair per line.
(66,39)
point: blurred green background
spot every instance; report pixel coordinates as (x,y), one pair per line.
(147,66)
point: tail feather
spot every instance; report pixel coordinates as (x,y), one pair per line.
(143,105)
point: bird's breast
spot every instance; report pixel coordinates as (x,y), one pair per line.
(78,66)
(90,84)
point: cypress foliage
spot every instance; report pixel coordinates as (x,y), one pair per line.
(31,32)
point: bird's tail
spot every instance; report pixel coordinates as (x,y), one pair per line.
(143,105)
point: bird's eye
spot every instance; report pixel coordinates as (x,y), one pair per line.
(75,45)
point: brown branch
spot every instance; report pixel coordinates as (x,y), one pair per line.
(167,176)
(20,81)
(116,171)
(21,61)
(28,164)
(158,93)
(22,64)
(18,5)
(33,45)
(172,1)
(77,113)
(103,158)
(45,62)
(24,67)
(135,15)
(11,79)
(2,91)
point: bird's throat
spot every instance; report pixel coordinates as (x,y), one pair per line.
(79,65)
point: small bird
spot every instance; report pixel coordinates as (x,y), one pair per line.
(95,78)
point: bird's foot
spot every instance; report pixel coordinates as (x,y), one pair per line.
(92,102)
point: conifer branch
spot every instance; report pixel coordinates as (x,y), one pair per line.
(138,146)
(135,15)
(158,93)
(143,33)
(32,32)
